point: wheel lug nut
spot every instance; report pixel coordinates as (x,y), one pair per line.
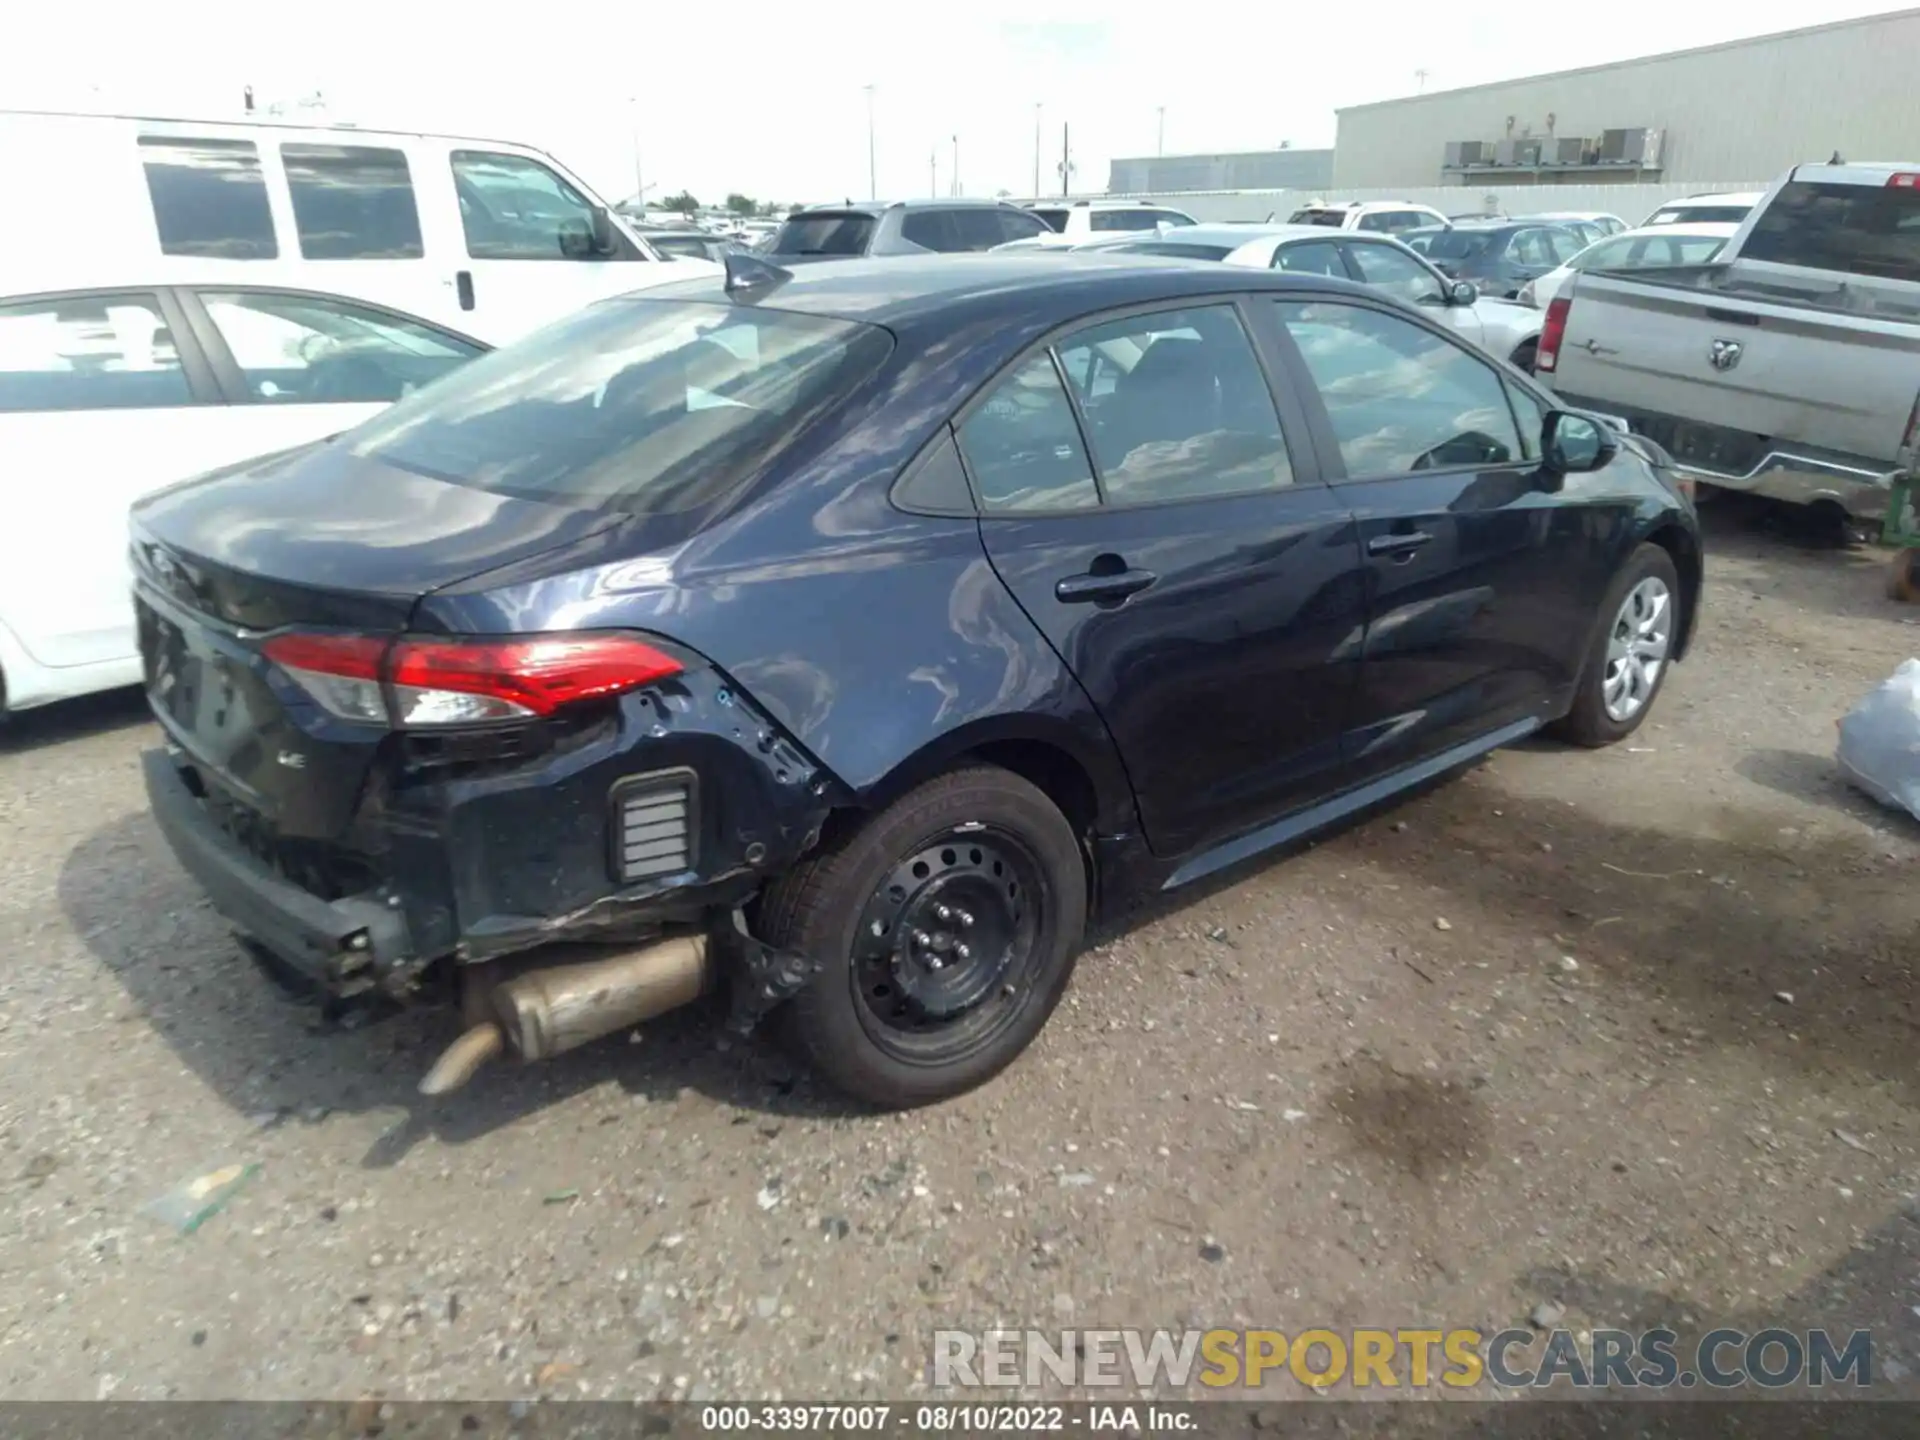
(961,952)
(965,917)
(942,912)
(922,938)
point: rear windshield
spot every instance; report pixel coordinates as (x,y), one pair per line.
(1318,217)
(1182,249)
(824,235)
(1450,244)
(1856,229)
(652,407)
(1055,220)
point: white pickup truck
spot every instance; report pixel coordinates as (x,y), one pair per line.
(1790,365)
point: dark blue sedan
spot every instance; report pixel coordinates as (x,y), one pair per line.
(841,641)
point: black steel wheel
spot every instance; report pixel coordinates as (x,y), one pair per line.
(946,928)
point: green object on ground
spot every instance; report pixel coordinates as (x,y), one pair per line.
(193,1202)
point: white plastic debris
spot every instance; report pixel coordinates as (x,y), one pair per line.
(1880,740)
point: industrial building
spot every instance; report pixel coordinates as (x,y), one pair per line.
(1284,169)
(1741,111)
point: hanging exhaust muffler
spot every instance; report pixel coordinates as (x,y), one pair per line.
(548,1010)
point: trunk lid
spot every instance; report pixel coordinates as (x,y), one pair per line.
(315,539)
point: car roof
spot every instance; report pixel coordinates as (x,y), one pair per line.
(1724,197)
(945,290)
(1487,227)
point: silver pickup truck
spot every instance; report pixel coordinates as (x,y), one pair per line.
(1790,366)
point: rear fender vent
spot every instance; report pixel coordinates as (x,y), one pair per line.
(653,825)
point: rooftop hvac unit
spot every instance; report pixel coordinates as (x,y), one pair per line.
(1568,151)
(1462,153)
(1517,152)
(1630,147)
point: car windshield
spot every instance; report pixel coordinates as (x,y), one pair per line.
(646,406)
(1335,218)
(824,234)
(1055,220)
(1449,244)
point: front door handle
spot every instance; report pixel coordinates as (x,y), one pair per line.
(1097,589)
(463,287)
(1403,544)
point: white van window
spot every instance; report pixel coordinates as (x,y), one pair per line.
(209,198)
(352,202)
(319,350)
(88,352)
(513,208)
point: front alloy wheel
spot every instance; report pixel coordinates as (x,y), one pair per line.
(1637,648)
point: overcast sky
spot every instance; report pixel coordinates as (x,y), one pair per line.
(769,99)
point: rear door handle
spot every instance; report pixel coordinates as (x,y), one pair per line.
(463,287)
(1402,544)
(1102,589)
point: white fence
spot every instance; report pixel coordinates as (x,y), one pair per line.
(1632,203)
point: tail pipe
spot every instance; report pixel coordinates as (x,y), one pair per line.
(544,1012)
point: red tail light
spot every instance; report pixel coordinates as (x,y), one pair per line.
(1547,355)
(1904,180)
(429,682)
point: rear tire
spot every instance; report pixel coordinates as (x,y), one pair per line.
(946,929)
(1631,654)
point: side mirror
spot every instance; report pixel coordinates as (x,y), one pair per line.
(1462,292)
(602,231)
(1572,444)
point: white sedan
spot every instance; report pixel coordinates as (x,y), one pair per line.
(1499,327)
(1642,249)
(109,392)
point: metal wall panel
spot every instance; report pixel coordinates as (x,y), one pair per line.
(1729,112)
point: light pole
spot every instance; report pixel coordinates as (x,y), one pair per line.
(1036,149)
(1160,143)
(956,165)
(933,174)
(873,182)
(633,134)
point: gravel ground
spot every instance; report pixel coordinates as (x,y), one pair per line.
(1630,1032)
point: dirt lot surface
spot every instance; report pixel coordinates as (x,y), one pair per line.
(1628,1032)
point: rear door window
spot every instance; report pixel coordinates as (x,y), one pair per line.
(1401,399)
(1313,257)
(980,229)
(824,234)
(1053,218)
(931,230)
(1023,447)
(1869,230)
(352,202)
(1020,225)
(640,405)
(209,198)
(1177,406)
(90,352)
(1386,267)
(321,350)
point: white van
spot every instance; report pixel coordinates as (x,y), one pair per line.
(487,237)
